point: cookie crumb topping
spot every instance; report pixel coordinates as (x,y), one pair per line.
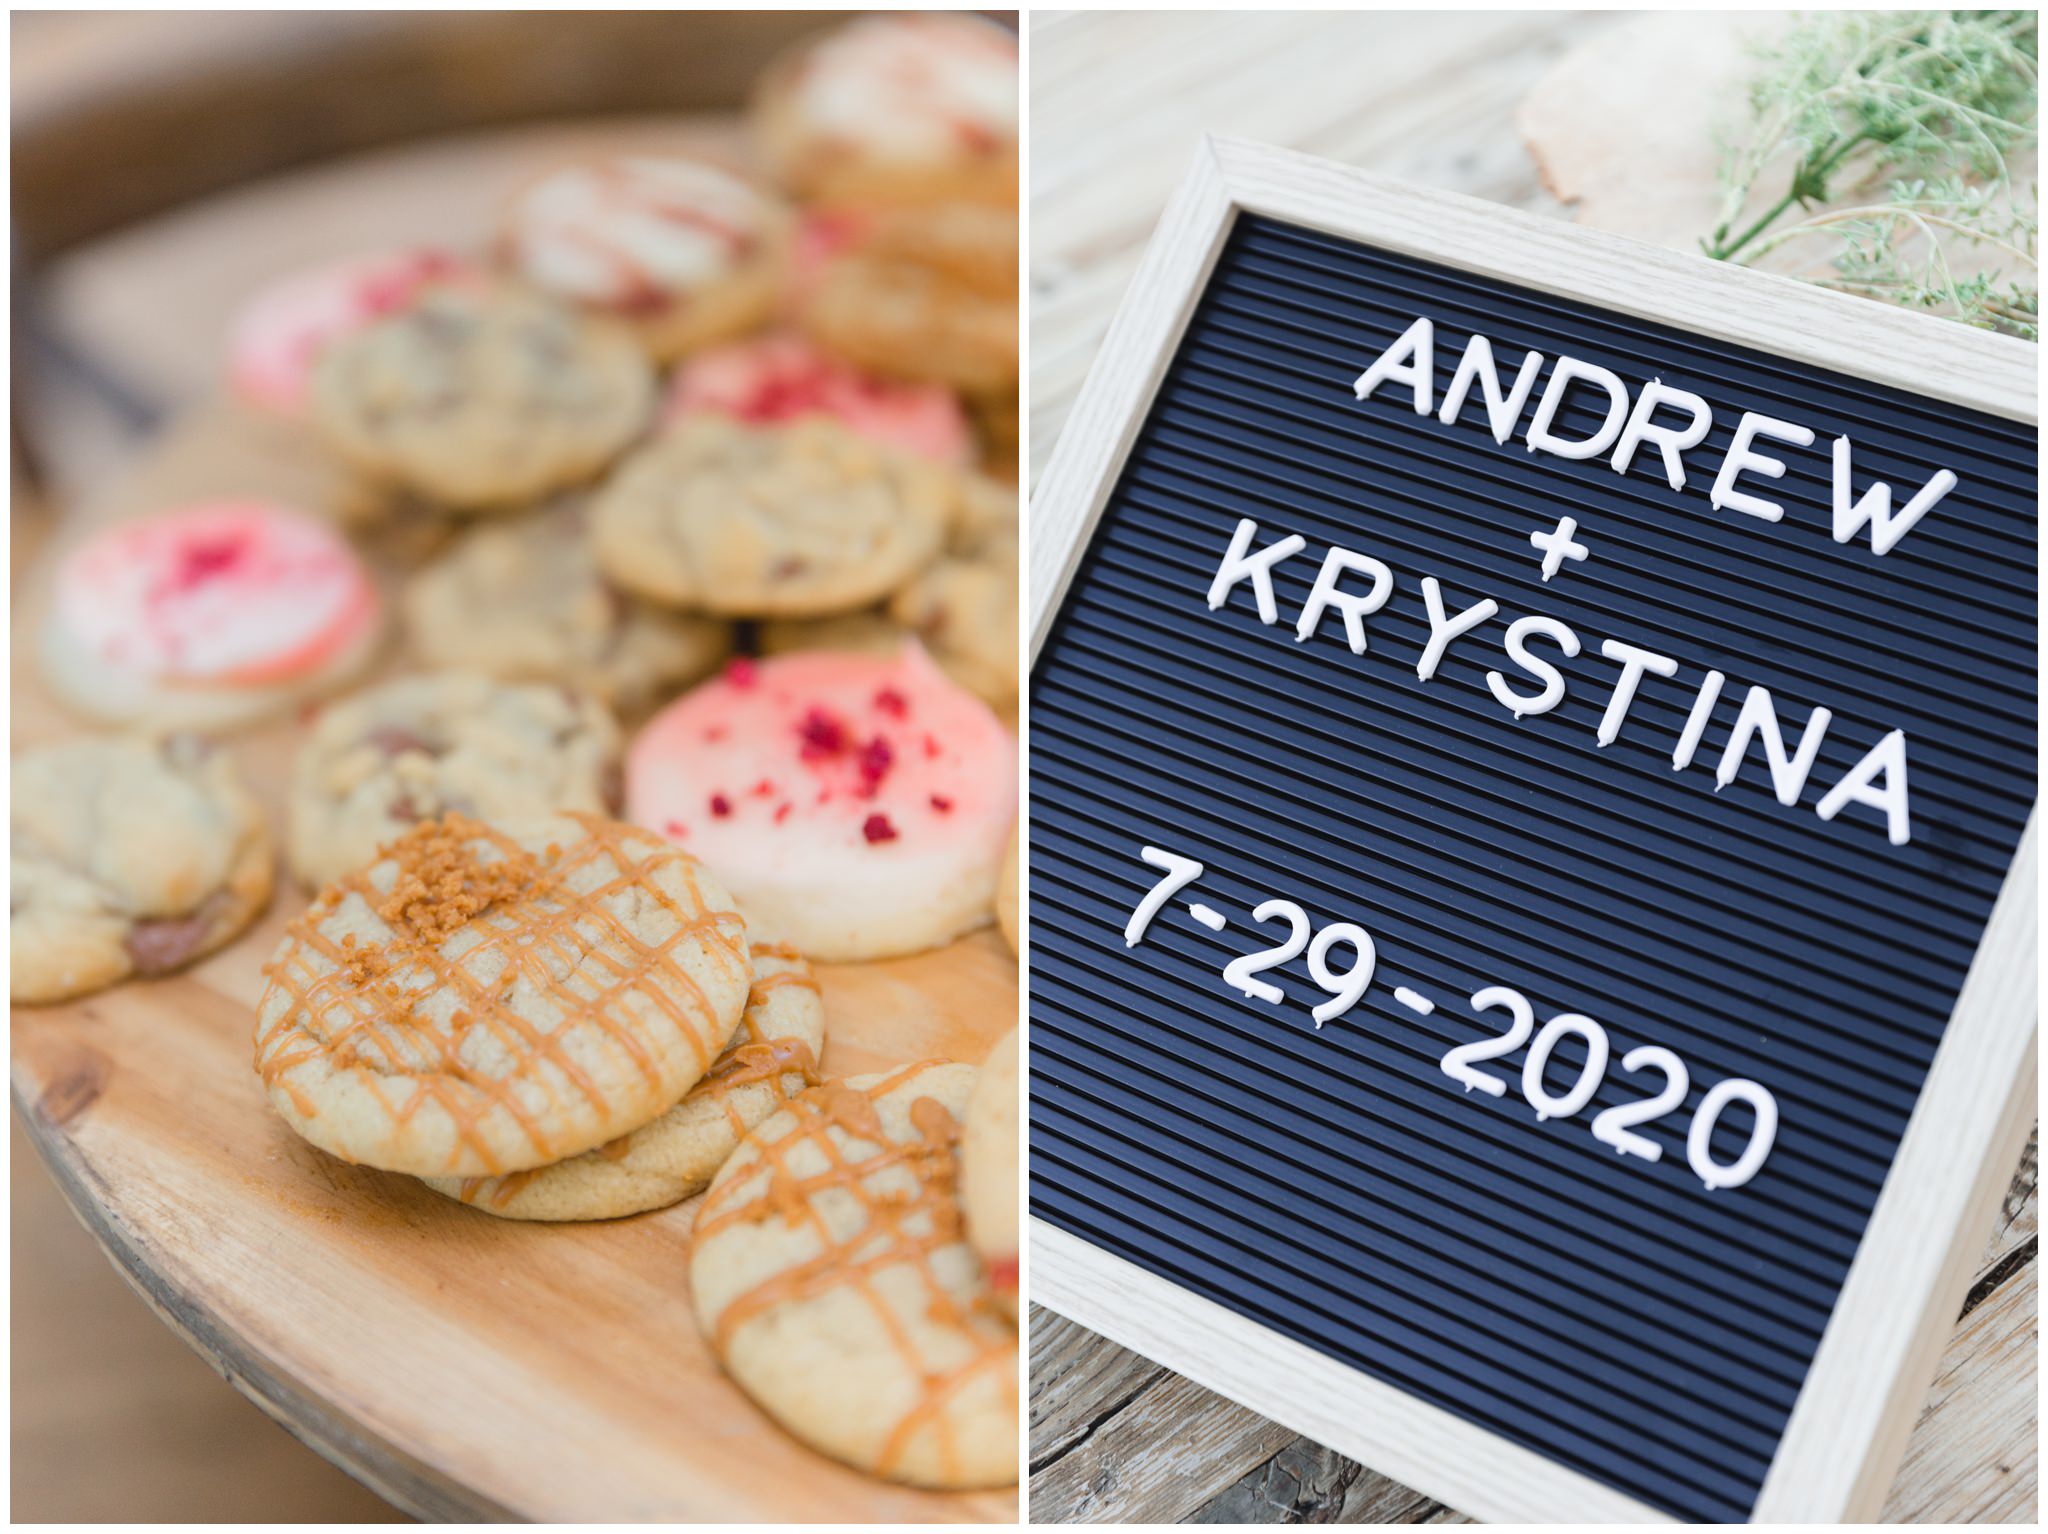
(442,883)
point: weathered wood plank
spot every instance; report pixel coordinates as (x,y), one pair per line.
(1974,1454)
(1307,1483)
(1077,1383)
(1155,1459)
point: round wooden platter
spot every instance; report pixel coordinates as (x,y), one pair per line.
(463,1366)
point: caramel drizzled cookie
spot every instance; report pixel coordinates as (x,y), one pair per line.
(773,1058)
(483,999)
(382,761)
(831,1275)
(768,521)
(131,856)
(525,601)
(483,396)
(682,252)
(989,1168)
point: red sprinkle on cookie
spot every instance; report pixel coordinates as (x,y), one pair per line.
(889,792)
(776,379)
(234,592)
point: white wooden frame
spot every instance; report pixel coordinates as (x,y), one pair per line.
(1899,1302)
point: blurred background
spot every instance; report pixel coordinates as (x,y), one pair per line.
(163,165)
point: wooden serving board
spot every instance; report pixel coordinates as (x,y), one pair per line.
(463,1366)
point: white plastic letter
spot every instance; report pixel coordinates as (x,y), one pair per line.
(1239,562)
(1696,721)
(1874,506)
(1744,458)
(1355,607)
(1518,651)
(1670,441)
(1443,630)
(1634,663)
(1759,718)
(1570,370)
(1410,360)
(1888,756)
(1502,410)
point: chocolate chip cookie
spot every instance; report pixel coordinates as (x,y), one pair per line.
(482,396)
(408,751)
(925,293)
(770,521)
(524,601)
(132,856)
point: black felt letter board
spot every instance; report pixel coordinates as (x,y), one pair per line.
(1336,1185)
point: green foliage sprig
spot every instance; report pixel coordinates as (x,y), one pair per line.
(1918,114)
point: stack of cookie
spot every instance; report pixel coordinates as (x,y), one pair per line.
(568,1018)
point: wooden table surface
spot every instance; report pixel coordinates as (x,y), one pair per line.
(1117,103)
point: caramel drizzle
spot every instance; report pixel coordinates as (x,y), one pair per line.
(531,916)
(787,1064)
(777,1191)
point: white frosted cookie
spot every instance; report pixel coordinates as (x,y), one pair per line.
(856,805)
(830,1273)
(681,251)
(405,751)
(483,999)
(206,616)
(908,108)
(129,857)
(989,1165)
(772,1058)
(523,600)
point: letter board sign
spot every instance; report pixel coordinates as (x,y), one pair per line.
(1520,780)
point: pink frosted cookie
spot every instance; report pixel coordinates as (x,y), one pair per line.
(208,615)
(774,379)
(684,252)
(857,805)
(279,333)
